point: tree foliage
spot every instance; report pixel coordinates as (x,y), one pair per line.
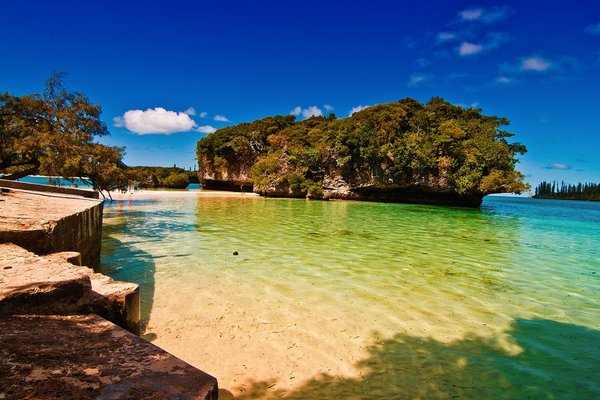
(404,144)
(54,133)
(165,177)
(568,191)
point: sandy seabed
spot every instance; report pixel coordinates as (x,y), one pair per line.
(270,338)
(328,300)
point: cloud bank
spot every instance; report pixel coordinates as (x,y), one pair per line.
(468,49)
(357,109)
(418,79)
(535,63)
(205,129)
(155,121)
(559,166)
(221,118)
(312,111)
(159,121)
(484,15)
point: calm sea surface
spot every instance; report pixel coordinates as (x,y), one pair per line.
(369,300)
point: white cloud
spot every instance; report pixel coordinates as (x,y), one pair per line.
(357,109)
(205,129)
(558,68)
(593,29)
(505,80)
(534,63)
(203,114)
(445,37)
(468,49)
(471,14)
(418,79)
(312,111)
(190,111)
(559,166)
(473,105)
(155,121)
(484,15)
(328,107)
(221,118)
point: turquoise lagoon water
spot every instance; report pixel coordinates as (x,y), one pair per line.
(58,181)
(369,300)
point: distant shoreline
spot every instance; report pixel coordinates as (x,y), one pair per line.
(149,194)
(565,198)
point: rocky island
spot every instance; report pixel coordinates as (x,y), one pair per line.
(404,151)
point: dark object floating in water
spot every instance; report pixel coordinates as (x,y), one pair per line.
(235,253)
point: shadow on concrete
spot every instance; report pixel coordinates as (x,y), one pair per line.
(555,361)
(86,357)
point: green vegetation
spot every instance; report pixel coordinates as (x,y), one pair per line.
(54,133)
(160,177)
(405,145)
(581,191)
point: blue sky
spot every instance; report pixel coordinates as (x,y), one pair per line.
(168,73)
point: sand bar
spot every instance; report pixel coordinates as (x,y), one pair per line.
(149,194)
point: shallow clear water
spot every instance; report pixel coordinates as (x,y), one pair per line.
(369,300)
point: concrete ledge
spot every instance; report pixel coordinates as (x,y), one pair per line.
(87,357)
(92,194)
(46,223)
(30,284)
(116,301)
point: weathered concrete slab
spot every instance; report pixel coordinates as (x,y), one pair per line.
(46,223)
(116,301)
(87,357)
(30,284)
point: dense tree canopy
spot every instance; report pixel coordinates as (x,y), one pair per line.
(402,144)
(163,177)
(54,133)
(568,191)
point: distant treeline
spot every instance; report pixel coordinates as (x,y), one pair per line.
(567,191)
(161,177)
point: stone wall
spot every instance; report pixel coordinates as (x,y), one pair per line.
(54,340)
(46,223)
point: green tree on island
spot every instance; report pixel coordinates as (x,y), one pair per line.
(400,151)
(54,134)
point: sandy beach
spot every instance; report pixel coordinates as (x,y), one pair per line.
(150,194)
